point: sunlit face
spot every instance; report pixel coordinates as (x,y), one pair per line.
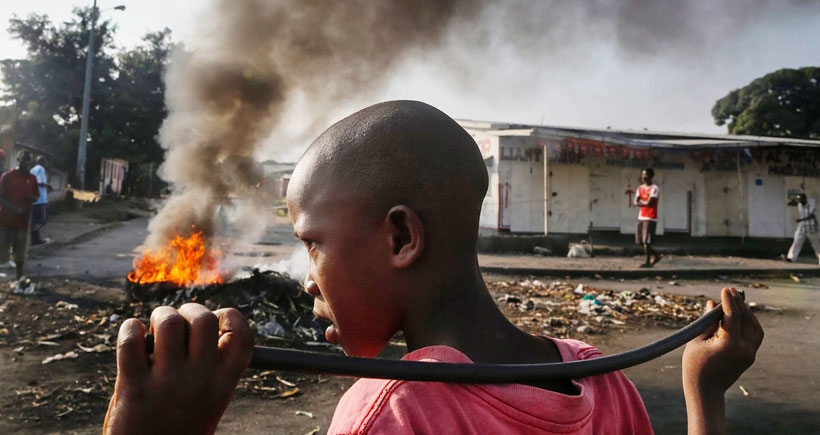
(646,178)
(350,272)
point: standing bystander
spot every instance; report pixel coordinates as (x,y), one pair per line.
(647,199)
(2,161)
(18,190)
(39,210)
(806,228)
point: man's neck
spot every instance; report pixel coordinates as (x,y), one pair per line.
(470,321)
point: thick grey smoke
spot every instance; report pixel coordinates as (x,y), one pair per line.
(227,97)
(265,68)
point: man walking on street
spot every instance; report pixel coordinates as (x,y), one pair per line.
(18,190)
(806,228)
(647,199)
(39,211)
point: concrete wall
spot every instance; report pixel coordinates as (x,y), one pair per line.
(591,186)
(488,145)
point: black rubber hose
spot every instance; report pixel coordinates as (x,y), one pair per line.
(269,358)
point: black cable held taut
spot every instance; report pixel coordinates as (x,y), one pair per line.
(269,358)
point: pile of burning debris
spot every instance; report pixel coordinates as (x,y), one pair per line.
(275,305)
(561,309)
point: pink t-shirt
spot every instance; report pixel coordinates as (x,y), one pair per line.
(606,404)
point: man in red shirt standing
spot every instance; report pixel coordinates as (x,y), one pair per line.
(18,190)
(647,199)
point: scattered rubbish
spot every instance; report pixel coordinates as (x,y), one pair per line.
(586,329)
(23,286)
(66,305)
(284,382)
(271,328)
(68,410)
(287,393)
(305,413)
(722,277)
(60,356)
(580,250)
(562,309)
(540,250)
(314,431)
(672,283)
(96,349)
(47,343)
(744,391)
(758,285)
(794,277)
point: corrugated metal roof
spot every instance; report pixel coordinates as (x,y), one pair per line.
(639,138)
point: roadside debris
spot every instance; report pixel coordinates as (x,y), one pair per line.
(561,308)
(23,286)
(580,250)
(540,250)
(61,356)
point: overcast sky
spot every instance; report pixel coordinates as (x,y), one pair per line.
(606,63)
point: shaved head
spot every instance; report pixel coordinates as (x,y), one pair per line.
(403,153)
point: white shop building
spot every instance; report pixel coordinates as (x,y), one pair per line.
(568,180)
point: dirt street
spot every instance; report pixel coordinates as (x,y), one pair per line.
(80,286)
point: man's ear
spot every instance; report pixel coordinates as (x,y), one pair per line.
(406,236)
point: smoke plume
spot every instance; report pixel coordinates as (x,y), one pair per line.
(228,96)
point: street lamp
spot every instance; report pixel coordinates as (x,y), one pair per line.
(89,62)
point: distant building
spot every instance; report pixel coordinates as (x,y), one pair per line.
(276,178)
(569,180)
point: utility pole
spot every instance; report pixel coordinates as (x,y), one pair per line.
(89,64)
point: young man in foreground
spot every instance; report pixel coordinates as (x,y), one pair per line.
(387,203)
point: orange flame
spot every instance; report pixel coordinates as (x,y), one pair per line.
(184,262)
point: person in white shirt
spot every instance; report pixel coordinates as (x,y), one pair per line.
(39,212)
(806,228)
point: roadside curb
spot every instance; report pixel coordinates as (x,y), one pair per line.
(643,273)
(45,248)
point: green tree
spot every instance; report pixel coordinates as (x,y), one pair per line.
(783,103)
(138,109)
(45,90)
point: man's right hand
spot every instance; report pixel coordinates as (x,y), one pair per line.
(186,384)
